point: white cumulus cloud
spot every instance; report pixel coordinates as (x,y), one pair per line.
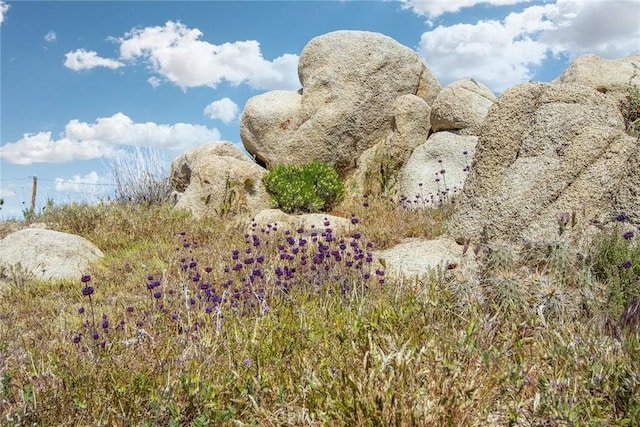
(81,59)
(607,28)
(502,53)
(103,138)
(177,53)
(90,183)
(433,9)
(4,7)
(42,148)
(51,36)
(223,109)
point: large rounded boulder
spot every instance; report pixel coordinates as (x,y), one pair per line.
(461,107)
(47,254)
(350,82)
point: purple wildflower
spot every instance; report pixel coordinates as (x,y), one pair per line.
(621,216)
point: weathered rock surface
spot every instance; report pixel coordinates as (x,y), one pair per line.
(411,127)
(182,166)
(47,254)
(218,179)
(608,76)
(351,80)
(421,179)
(268,120)
(461,107)
(377,167)
(417,258)
(547,151)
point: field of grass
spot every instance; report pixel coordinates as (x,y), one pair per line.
(220,322)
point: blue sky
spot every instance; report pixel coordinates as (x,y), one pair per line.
(83,82)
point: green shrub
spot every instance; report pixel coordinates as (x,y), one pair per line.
(311,187)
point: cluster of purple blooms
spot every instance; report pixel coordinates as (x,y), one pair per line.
(271,264)
(627,235)
(99,332)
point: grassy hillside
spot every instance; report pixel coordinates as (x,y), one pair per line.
(221,322)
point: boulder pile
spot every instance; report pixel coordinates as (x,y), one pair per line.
(539,160)
(519,164)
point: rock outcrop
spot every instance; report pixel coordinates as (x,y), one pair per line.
(547,153)
(350,80)
(461,107)
(218,179)
(47,254)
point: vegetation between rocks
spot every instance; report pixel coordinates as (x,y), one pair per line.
(311,187)
(219,323)
(631,105)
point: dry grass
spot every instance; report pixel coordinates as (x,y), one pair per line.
(521,345)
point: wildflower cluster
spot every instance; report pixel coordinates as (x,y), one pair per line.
(272,264)
(617,263)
